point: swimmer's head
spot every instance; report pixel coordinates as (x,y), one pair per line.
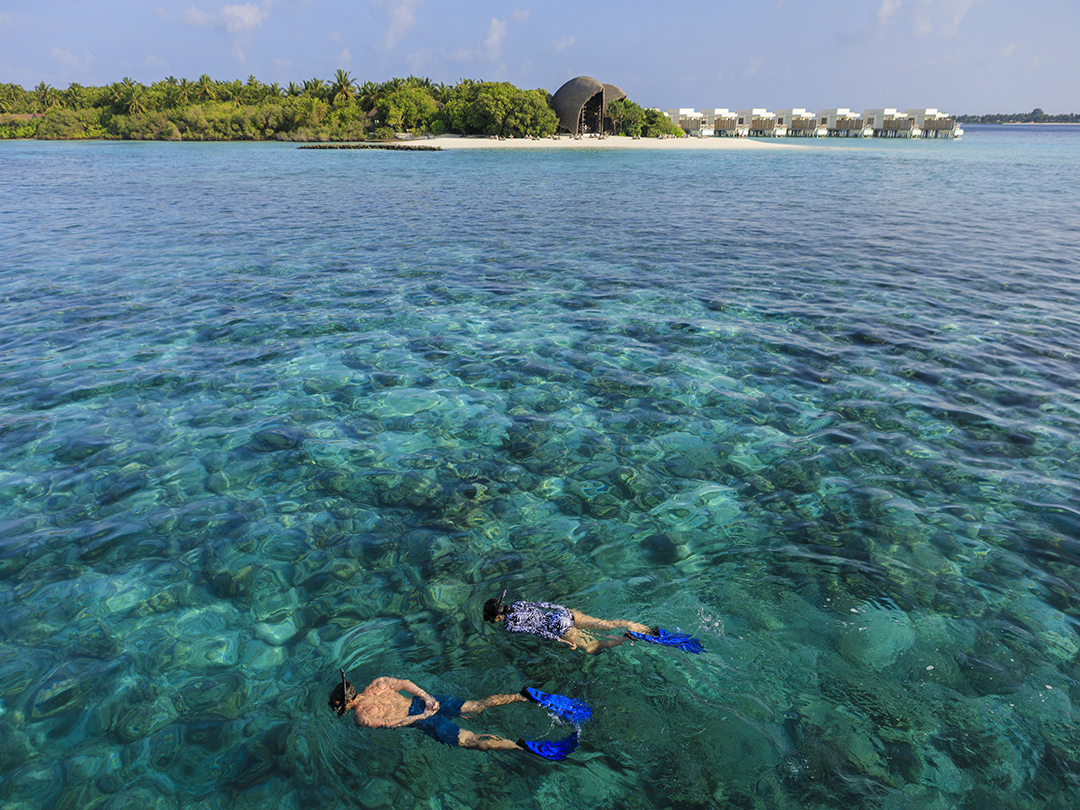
(342,694)
(494,608)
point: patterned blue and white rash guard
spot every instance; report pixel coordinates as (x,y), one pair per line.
(542,619)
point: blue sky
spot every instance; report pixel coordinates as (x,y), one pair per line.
(961,56)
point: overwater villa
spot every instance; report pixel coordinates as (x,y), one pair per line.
(797,122)
(800,123)
(840,122)
(760,123)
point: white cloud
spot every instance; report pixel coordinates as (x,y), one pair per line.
(495,35)
(71,63)
(563,44)
(887,10)
(400,16)
(4,20)
(942,17)
(235,19)
(344,58)
(243,18)
(194,16)
(1008,50)
(155,63)
(335,37)
(65,58)
(419,62)
(490,48)
(521,15)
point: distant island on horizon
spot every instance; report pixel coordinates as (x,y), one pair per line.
(1036,116)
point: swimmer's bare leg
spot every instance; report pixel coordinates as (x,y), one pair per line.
(471,708)
(587,642)
(592,623)
(485,742)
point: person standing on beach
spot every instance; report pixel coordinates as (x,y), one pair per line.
(558,623)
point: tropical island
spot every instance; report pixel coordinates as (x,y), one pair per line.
(1036,116)
(341,109)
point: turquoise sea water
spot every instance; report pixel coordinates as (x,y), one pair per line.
(267,412)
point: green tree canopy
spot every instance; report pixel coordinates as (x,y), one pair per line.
(410,108)
(205,109)
(498,108)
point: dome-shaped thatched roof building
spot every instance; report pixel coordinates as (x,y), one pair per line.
(581,104)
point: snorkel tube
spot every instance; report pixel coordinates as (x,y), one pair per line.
(493,607)
(342,694)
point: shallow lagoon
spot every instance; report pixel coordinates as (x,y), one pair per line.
(266,412)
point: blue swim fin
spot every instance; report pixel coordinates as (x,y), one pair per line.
(661,636)
(555,750)
(570,710)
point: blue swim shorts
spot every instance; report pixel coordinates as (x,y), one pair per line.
(438,726)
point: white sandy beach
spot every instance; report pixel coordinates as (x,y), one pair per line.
(610,142)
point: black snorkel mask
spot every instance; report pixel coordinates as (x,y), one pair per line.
(341,695)
(493,607)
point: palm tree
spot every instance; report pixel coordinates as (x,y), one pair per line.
(441,92)
(314,88)
(172,97)
(183,92)
(9,97)
(293,89)
(367,96)
(48,96)
(343,87)
(234,92)
(255,91)
(311,112)
(74,97)
(129,96)
(136,102)
(274,91)
(205,89)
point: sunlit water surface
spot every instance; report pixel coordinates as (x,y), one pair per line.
(267,412)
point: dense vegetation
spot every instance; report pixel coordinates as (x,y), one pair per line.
(1036,116)
(632,119)
(338,110)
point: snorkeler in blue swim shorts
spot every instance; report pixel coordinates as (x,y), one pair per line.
(381,705)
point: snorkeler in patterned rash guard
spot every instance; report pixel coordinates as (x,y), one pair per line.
(557,623)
